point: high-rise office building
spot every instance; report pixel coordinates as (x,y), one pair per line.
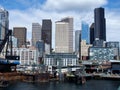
(77,40)
(64,35)
(4,23)
(20,33)
(47,32)
(85,32)
(92,29)
(100,25)
(36,33)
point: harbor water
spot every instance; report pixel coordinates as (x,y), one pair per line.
(55,85)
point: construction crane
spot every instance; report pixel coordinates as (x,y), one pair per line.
(5,65)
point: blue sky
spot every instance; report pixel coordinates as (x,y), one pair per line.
(24,12)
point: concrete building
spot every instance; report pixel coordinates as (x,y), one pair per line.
(36,33)
(47,32)
(84,50)
(77,40)
(21,34)
(64,36)
(28,56)
(4,23)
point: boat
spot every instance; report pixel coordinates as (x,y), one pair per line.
(4,83)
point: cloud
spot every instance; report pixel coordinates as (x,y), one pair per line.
(72,5)
(81,10)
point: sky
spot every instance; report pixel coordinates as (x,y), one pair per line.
(22,13)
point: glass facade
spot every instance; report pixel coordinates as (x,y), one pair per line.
(47,32)
(100,24)
(4,23)
(85,32)
(40,47)
(96,53)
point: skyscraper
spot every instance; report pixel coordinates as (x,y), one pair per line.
(92,29)
(4,23)
(20,33)
(85,32)
(36,33)
(77,40)
(47,32)
(64,35)
(100,25)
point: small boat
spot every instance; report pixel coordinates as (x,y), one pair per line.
(4,83)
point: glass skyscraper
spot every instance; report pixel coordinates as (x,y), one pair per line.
(4,23)
(100,26)
(47,32)
(85,32)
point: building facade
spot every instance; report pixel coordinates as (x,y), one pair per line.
(4,23)
(21,34)
(28,56)
(77,40)
(84,50)
(101,53)
(41,48)
(36,33)
(61,59)
(115,46)
(47,32)
(92,30)
(64,36)
(85,32)
(100,24)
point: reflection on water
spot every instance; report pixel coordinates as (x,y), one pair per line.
(90,85)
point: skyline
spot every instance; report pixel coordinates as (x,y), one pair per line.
(22,13)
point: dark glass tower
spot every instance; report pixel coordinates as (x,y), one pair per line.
(100,25)
(92,29)
(47,32)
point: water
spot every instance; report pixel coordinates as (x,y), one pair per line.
(90,85)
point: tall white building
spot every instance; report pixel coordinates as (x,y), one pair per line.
(36,33)
(4,23)
(64,35)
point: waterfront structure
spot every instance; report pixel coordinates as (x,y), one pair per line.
(47,32)
(115,46)
(101,53)
(84,50)
(21,34)
(28,56)
(36,33)
(85,32)
(61,59)
(64,35)
(4,23)
(100,24)
(77,40)
(92,30)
